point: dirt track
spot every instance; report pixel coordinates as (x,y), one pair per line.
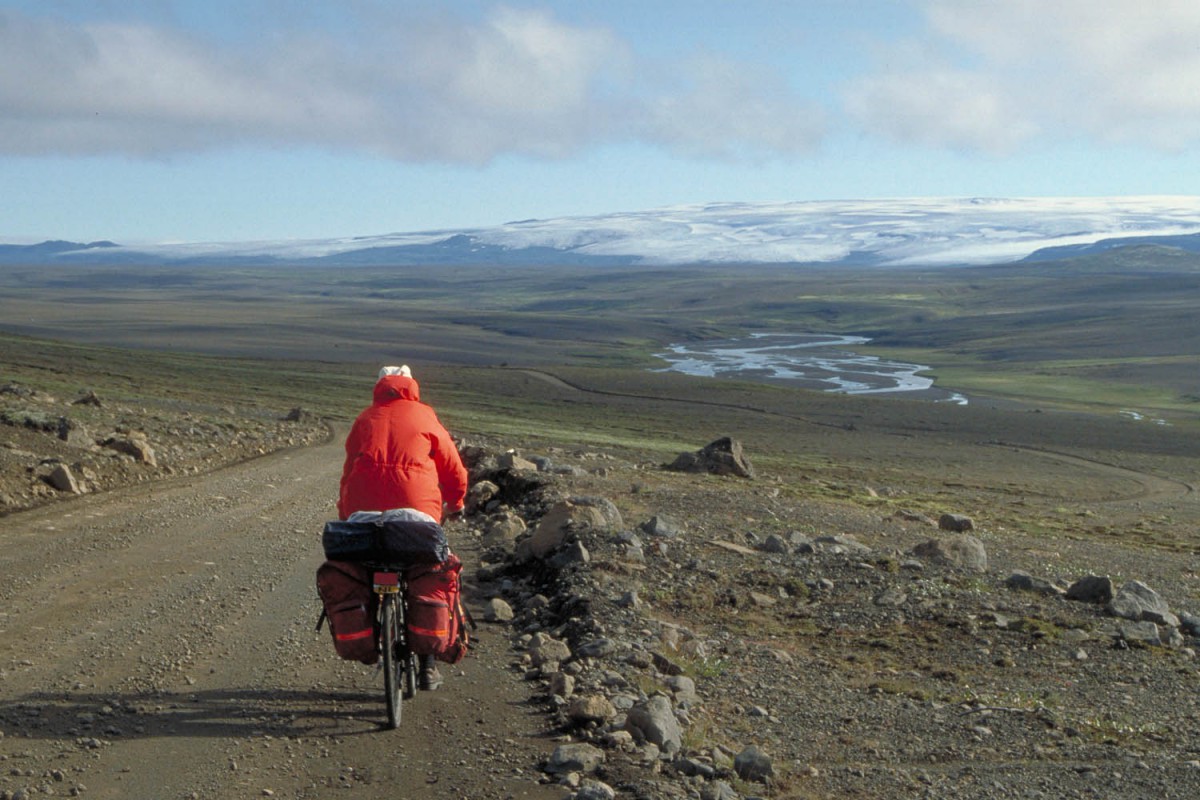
(158,642)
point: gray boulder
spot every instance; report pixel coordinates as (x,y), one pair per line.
(722,457)
(1138,602)
(497,610)
(595,790)
(553,528)
(964,552)
(590,708)
(654,721)
(753,765)
(659,525)
(1140,633)
(574,757)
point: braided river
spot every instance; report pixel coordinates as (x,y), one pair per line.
(814,361)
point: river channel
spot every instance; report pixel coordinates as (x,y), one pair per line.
(813,361)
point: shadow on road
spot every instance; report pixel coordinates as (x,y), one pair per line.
(94,719)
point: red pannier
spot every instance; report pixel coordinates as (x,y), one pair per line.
(349,598)
(435,613)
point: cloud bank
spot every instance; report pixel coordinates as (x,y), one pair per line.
(437,87)
(433,88)
(992,76)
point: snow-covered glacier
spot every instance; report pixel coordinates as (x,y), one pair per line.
(889,232)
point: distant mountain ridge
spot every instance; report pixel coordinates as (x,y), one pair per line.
(897,232)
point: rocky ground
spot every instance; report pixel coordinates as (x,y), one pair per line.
(699,636)
(54,447)
(644,632)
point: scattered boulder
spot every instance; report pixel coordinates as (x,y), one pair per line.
(1138,602)
(552,530)
(659,525)
(840,544)
(774,543)
(584,709)
(957,523)
(892,596)
(512,461)
(608,510)
(1025,582)
(753,765)
(913,516)
(963,552)
(479,495)
(1091,589)
(497,610)
(547,650)
(653,721)
(74,434)
(595,790)
(574,757)
(1140,633)
(503,529)
(718,790)
(722,457)
(89,398)
(682,687)
(134,446)
(298,414)
(63,479)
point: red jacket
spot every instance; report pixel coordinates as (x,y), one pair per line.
(398,455)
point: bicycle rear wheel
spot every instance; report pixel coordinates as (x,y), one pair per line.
(393,664)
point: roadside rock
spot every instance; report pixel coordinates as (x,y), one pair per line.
(136,447)
(574,757)
(63,479)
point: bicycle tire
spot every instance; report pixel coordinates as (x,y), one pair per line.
(411,670)
(392,662)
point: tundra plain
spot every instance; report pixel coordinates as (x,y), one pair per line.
(1077,455)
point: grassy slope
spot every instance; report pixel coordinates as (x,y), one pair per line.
(1098,333)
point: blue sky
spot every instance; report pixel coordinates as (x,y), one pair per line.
(209,120)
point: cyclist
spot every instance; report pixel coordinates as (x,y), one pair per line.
(398,455)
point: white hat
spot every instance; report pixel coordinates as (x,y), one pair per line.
(402,370)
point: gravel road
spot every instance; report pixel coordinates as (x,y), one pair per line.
(158,642)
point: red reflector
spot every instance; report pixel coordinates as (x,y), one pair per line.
(349,637)
(387,578)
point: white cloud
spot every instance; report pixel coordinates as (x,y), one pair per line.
(941,106)
(726,110)
(991,75)
(435,88)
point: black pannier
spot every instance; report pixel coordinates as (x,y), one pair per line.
(395,541)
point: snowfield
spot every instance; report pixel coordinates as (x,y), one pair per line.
(896,232)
